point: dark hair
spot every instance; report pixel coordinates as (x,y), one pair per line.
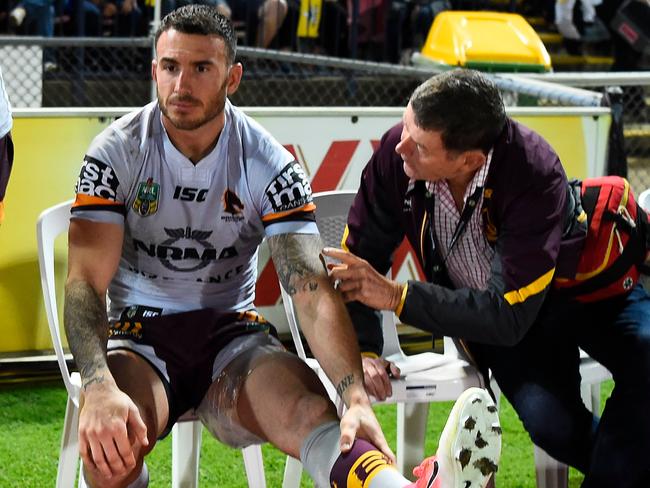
(203,20)
(465,106)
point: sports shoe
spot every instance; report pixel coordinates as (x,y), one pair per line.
(469,448)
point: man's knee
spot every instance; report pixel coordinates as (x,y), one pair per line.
(306,394)
(135,377)
(136,477)
(314,410)
(563,428)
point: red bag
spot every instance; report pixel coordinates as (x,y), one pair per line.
(615,246)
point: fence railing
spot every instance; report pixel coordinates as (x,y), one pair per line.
(635,87)
(109,72)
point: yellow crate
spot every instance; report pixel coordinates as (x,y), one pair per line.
(489,41)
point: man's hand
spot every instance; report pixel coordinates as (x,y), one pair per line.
(359,421)
(110,431)
(358,281)
(376,376)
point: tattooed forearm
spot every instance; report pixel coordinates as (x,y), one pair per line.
(297,261)
(344,384)
(86,327)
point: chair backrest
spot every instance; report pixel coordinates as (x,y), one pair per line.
(332,209)
(331,216)
(51,223)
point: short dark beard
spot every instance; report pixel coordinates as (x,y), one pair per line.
(195,124)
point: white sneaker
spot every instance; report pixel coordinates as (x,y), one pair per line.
(470,444)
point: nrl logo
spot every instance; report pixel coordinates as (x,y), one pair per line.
(146,201)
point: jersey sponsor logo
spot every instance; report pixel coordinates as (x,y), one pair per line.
(222,277)
(290,189)
(214,278)
(130,322)
(232,205)
(97,179)
(189,194)
(146,200)
(175,255)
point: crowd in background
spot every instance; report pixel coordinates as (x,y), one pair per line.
(385,30)
(258,20)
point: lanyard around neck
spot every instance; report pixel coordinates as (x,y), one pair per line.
(465,216)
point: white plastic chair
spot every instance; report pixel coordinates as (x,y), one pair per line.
(186,433)
(427,377)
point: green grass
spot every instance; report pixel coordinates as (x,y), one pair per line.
(31,420)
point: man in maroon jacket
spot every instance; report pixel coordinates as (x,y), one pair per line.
(484,202)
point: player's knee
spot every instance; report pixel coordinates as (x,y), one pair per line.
(313,408)
(130,477)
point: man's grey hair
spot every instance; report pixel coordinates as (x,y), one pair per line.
(465,106)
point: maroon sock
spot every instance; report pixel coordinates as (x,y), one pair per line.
(356,467)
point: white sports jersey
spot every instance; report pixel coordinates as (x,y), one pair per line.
(191,232)
(5,109)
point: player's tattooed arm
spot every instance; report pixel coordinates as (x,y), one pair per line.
(303,275)
(328,330)
(86,327)
(298,261)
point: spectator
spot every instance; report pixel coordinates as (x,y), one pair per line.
(121,18)
(578,23)
(221,5)
(36,17)
(263,19)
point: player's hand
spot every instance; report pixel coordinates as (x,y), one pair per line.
(111,431)
(357,280)
(377,373)
(359,421)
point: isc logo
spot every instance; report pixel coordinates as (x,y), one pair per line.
(188,194)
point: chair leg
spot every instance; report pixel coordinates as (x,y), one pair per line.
(585,394)
(69,453)
(550,473)
(411,432)
(595,398)
(254,465)
(590,394)
(186,449)
(292,473)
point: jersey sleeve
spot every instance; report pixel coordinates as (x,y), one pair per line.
(283,190)
(99,190)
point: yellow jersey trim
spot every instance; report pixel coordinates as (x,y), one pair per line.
(346,232)
(520,295)
(369,354)
(400,305)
